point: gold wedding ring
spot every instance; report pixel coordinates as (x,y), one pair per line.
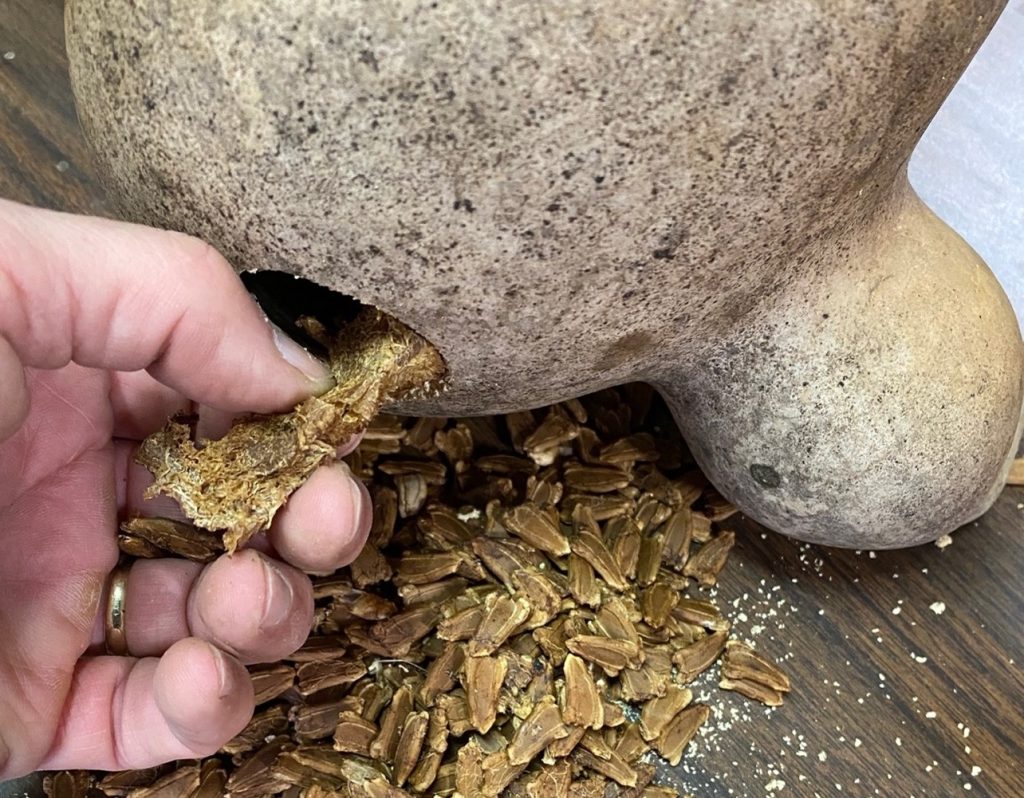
(117,643)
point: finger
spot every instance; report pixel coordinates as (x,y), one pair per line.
(246,603)
(156,602)
(141,404)
(325,523)
(251,605)
(13,391)
(125,297)
(125,714)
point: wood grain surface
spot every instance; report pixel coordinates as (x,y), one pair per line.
(890,697)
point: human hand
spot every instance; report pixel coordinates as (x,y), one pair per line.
(107,329)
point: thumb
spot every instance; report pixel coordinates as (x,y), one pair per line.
(13,391)
(118,296)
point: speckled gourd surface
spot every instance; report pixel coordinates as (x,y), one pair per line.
(709,196)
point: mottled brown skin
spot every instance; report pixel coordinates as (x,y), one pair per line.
(709,196)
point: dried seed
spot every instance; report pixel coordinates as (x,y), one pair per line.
(375,696)
(520,426)
(176,784)
(384,744)
(538,527)
(657,712)
(696,658)
(426,567)
(410,744)
(425,773)
(504,557)
(657,603)
(434,594)
(369,567)
(679,731)
(176,537)
(743,663)
(649,560)
(499,772)
(555,430)
(69,784)
(134,546)
(583,583)
(463,625)
(412,494)
(212,778)
(625,545)
(456,443)
(595,743)
(469,769)
(642,683)
(700,612)
(717,507)
(614,768)
(678,532)
(350,602)
(120,784)
(610,655)
(543,596)
(592,549)
(551,639)
(502,616)
(385,427)
(630,745)
(566,745)
(319,647)
(707,563)
(255,776)
(593,786)
(594,479)
(614,620)
(421,434)
(270,681)
(269,722)
(433,473)
(354,734)
(540,729)
(602,507)
(543,493)
(317,720)
(441,674)
(482,679)
(581,704)
(753,690)
(316,676)
(639,447)
(661,792)
(455,706)
(399,632)
(446,525)
(506,465)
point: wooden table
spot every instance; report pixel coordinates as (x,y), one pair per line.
(891,697)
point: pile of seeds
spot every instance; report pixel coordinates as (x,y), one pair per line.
(523,621)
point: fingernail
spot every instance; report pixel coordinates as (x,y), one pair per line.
(277,602)
(224,680)
(300,358)
(360,502)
